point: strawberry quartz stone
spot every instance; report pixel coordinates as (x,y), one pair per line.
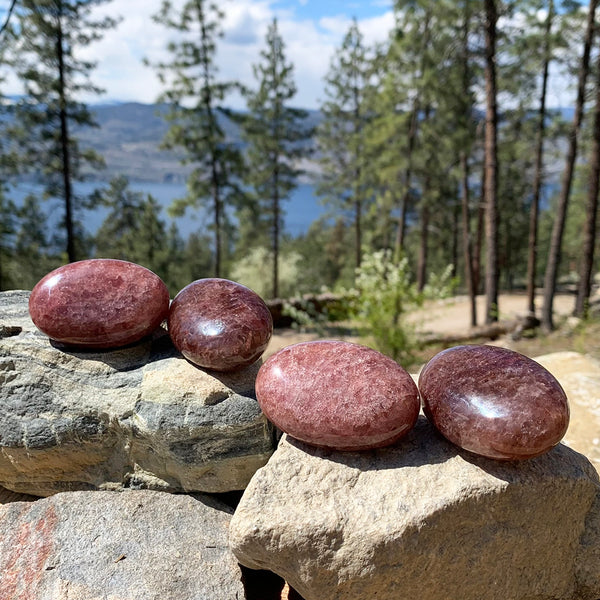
(219,324)
(99,303)
(337,395)
(494,402)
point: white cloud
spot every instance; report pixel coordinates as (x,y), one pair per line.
(309,46)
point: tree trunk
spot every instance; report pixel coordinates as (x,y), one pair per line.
(217,214)
(412,136)
(276,229)
(468,257)
(539,165)
(422,264)
(563,201)
(479,235)
(584,287)
(65,150)
(491,165)
(358,230)
(214,167)
(470,280)
(455,222)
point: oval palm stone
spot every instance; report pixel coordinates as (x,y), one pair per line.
(99,303)
(494,402)
(337,395)
(219,324)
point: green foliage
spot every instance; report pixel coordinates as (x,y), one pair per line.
(326,252)
(34,253)
(253,270)
(385,292)
(134,230)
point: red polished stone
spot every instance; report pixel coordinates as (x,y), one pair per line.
(494,402)
(219,324)
(99,303)
(337,395)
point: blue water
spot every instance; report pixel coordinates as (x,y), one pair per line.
(300,210)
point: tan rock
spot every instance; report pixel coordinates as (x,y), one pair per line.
(423,520)
(579,376)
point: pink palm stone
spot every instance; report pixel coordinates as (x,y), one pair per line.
(338,395)
(494,402)
(220,324)
(99,303)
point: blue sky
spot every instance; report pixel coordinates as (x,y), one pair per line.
(315,9)
(312,30)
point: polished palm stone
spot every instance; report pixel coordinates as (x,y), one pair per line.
(99,303)
(494,402)
(220,324)
(337,395)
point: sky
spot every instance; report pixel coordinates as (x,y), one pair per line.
(311,30)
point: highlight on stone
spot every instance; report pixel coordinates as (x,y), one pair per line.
(337,395)
(494,402)
(99,303)
(219,324)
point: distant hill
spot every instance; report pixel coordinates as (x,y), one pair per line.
(129,138)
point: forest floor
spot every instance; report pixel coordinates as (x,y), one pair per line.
(451,316)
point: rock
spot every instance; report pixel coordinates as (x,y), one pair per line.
(423,519)
(337,395)
(140,416)
(579,375)
(494,402)
(219,324)
(136,544)
(99,303)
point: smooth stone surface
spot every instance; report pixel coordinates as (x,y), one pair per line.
(423,520)
(579,375)
(134,417)
(138,545)
(337,395)
(220,324)
(99,303)
(494,402)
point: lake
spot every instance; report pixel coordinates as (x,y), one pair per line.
(301,209)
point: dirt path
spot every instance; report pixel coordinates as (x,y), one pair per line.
(453,315)
(440,317)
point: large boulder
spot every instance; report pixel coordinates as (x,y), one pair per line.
(136,544)
(422,519)
(140,416)
(579,375)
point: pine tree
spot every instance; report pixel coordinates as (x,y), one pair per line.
(195,114)
(554,253)
(276,136)
(584,286)
(491,164)
(48,35)
(34,252)
(341,136)
(539,161)
(119,233)
(7,232)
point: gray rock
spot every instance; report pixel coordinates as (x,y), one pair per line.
(140,545)
(140,416)
(422,519)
